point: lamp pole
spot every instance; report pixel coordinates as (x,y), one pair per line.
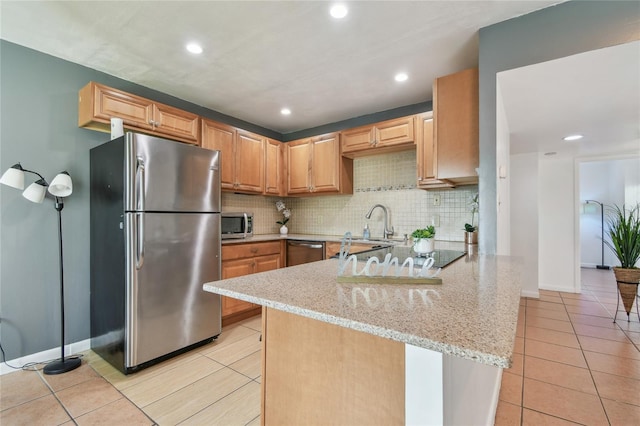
(64,364)
(601,265)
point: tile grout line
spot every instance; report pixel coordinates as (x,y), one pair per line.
(53,393)
(582,352)
(153,422)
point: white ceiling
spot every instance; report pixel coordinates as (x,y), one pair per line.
(596,94)
(264,55)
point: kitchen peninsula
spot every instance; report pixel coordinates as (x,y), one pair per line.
(351,353)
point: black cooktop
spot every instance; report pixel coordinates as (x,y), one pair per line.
(441,257)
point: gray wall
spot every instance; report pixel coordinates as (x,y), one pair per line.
(38,127)
(566,29)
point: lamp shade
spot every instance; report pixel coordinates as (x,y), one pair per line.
(36,191)
(61,186)
(13,177)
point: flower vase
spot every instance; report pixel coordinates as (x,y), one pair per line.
(423,246)
(471,237)
(284,230)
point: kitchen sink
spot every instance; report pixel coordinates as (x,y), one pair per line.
(441,257)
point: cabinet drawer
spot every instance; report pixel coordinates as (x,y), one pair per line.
(240,251)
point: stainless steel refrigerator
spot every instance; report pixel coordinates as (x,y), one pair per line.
(155,240)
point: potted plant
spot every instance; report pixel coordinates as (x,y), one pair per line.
(624,236)
(471,234)
(423,239)
(286,214)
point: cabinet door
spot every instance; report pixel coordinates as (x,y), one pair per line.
(274,168)
(358,139)
(218,136)
(232,269)
(427,155)
(455,116)
(135,112)
(426,151)
(268,263)
(175,123)
(298,161)
(395,132)
(249,159)
(325,160)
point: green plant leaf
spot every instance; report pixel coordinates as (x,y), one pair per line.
(624,234)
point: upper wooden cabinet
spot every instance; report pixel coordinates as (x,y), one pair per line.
(427,155)
(387,136)
(242,156)
(98,104)
(315,166)
(455,131)
(274,167)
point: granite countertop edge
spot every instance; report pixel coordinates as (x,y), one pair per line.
(445,348)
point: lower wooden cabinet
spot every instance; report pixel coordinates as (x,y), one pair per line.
(241,259)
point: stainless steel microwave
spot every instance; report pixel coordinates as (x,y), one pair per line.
(236,225)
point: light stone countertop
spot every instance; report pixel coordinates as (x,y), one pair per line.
(306,237)
(472,314)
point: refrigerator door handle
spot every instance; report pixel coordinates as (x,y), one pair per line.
(140,240)
(141,184)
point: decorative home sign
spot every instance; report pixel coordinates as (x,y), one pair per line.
(388,271)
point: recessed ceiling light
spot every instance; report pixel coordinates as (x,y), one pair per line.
(194,48)
(572,137)
(401,76)
(338,11)
(285,111)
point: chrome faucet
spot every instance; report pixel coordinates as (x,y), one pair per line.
(386,232)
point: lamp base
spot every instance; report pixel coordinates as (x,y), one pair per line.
(60,367)
(602,267)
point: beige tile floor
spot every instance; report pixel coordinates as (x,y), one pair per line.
(216,384)
(571,365)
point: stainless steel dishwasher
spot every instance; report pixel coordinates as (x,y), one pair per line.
(299,252)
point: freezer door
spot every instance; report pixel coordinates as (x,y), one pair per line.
(162,175)
(169,257)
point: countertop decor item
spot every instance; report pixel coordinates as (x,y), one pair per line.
(60,187)
(387,271)
(471,234)
(624,235)
(286,214)
(423,240)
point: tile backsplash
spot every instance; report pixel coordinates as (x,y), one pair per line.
(388,179)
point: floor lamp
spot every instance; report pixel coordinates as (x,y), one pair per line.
(601,265)
(60,187)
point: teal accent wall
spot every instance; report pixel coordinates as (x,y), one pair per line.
(38,127)
(555,32)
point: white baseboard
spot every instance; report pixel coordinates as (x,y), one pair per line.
(48,355)
(529,293)
(557,288)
